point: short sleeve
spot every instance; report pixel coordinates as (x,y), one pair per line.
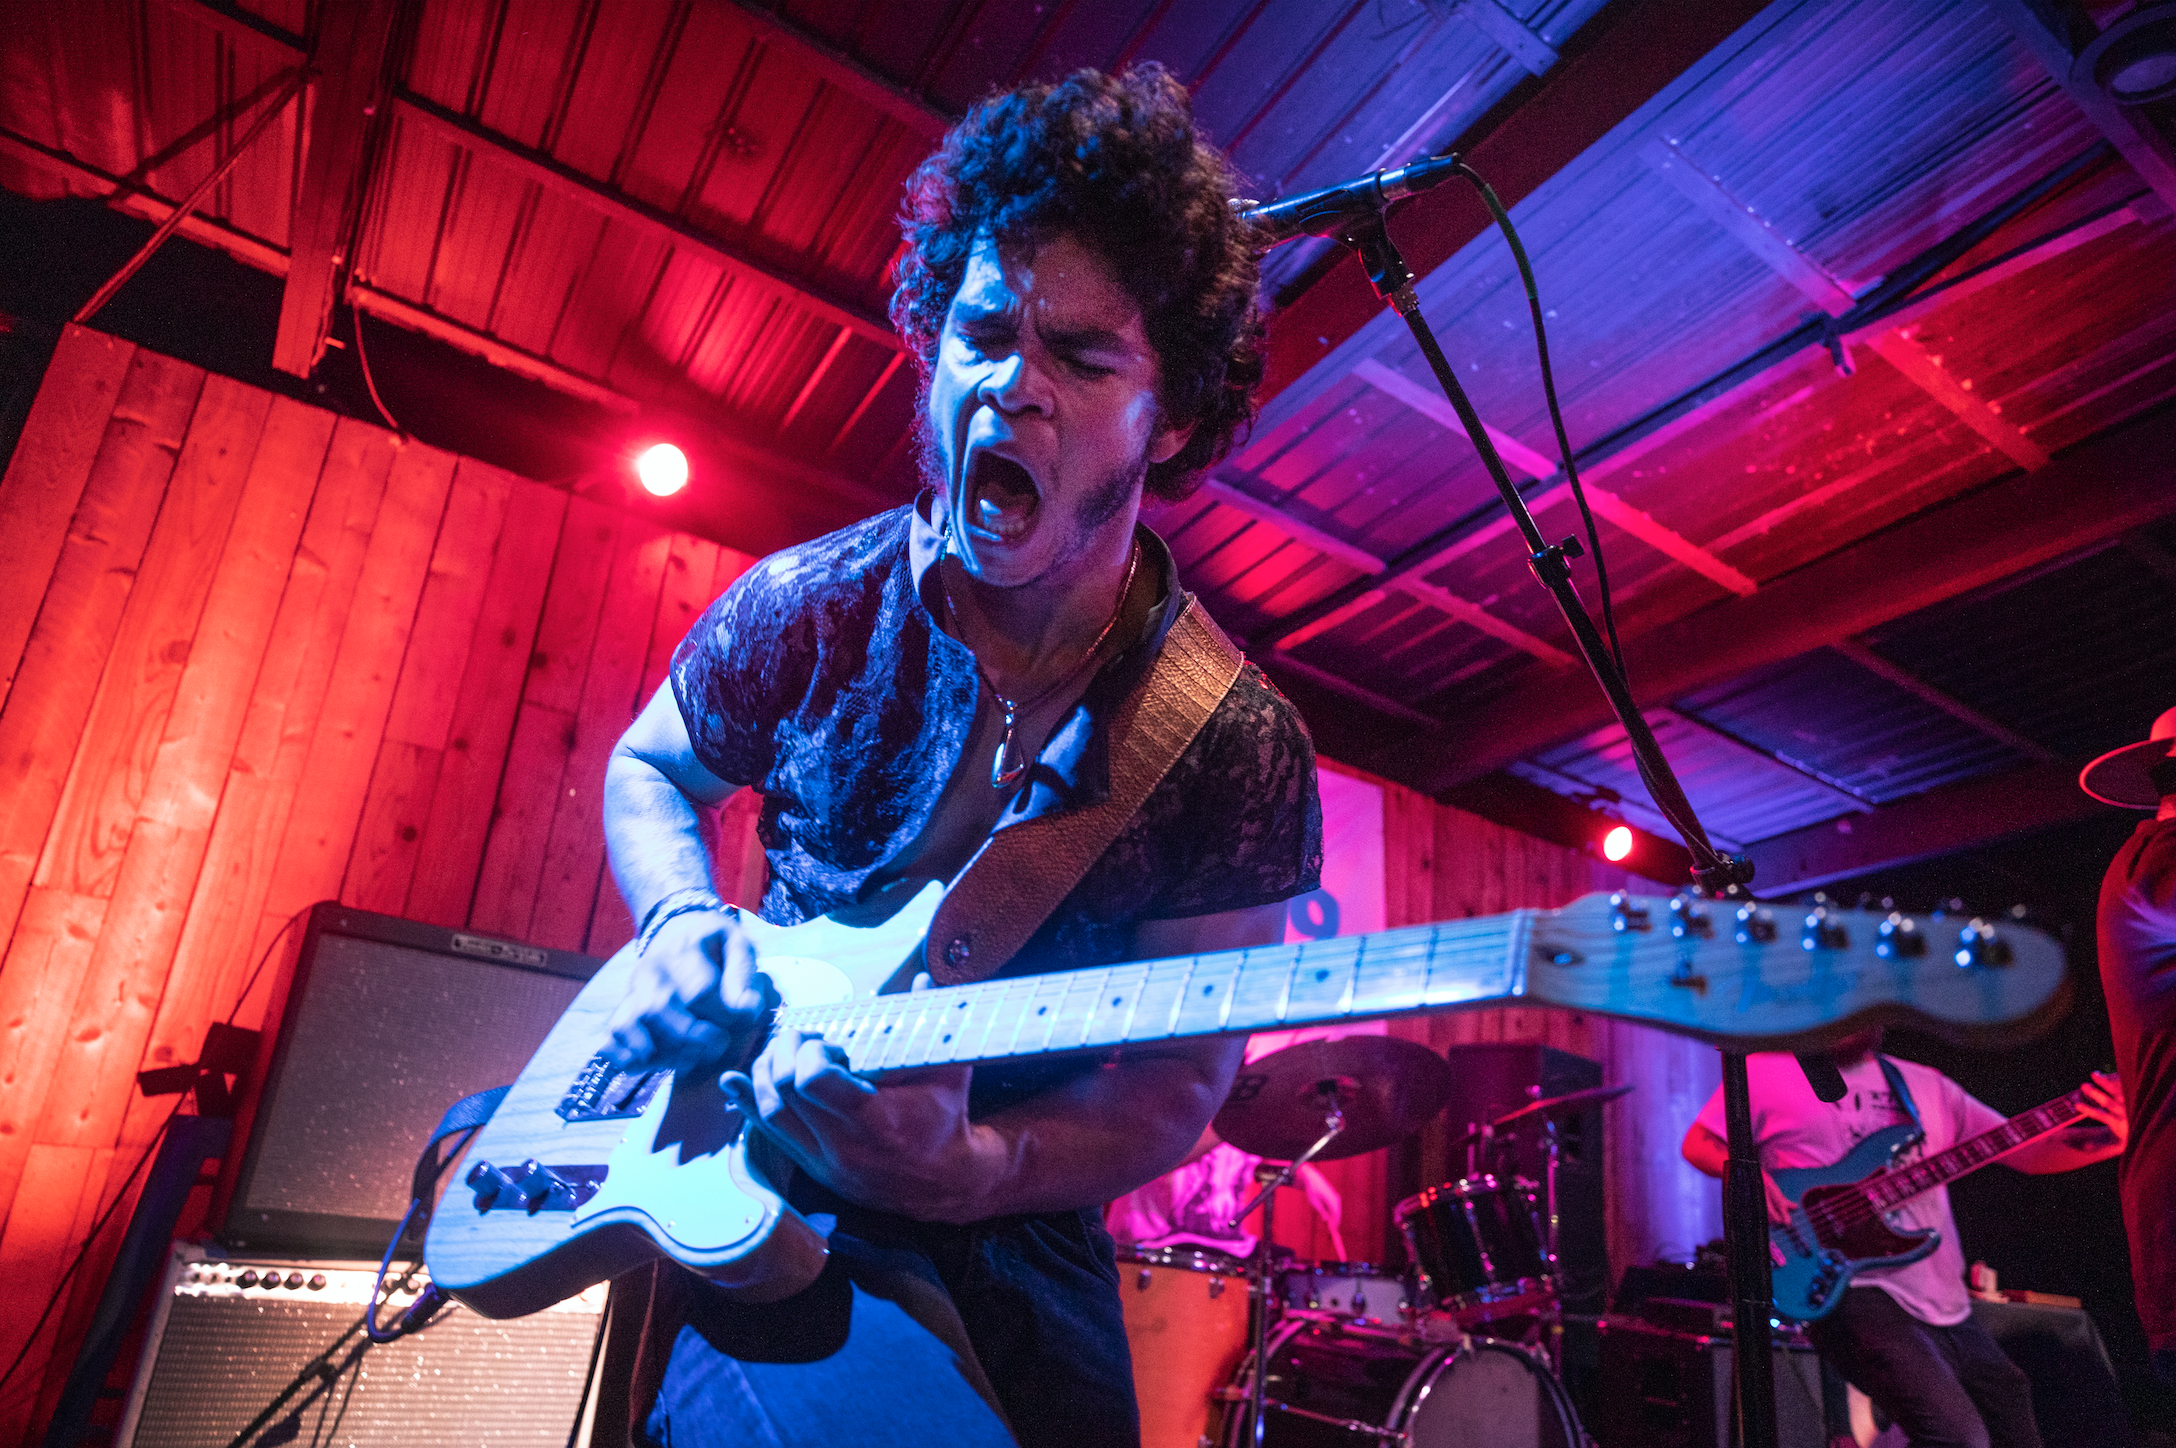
(1970,1114)
(742,664)
(1247,819)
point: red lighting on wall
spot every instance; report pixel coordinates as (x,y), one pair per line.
(663,469)
(1617,844)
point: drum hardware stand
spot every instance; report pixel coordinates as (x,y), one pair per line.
(1272,1177)
(1745,1212)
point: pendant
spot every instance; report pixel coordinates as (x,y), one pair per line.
(1002,777)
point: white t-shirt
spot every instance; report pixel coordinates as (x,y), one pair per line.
(1795,1128)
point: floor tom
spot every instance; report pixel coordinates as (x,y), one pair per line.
(1186,1321)
(1479,1245)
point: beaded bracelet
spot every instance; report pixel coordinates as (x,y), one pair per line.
(679,902)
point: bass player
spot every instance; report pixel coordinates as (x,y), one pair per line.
(1905,1336)
(1080,297)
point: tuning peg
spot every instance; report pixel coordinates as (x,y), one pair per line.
(1625,914)
(1686,920)
(1978,946)
(1821,930)
(1756,926)
(1900,938)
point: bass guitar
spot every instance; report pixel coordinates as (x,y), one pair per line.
(1838,1226)
(585,1172)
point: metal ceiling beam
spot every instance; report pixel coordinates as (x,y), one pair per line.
(553,175)
(1942,821)
(1814,282)
(349,57)
(2097,490)
(2128,130)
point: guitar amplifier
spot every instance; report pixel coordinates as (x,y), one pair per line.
(1662,1389)
(386,1023)
(228,1334)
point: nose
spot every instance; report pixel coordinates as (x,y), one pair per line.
(1008,385)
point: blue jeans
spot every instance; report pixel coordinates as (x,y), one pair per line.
(1946,1387)
(915,1336)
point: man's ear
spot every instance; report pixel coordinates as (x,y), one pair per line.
(1167,442)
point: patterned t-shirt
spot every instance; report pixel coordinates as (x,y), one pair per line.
(822,679)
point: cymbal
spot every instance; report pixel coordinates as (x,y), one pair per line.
(1560,1105)
(1387,1087)
(1552,1106)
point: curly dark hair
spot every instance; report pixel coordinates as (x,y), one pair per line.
(1112,160)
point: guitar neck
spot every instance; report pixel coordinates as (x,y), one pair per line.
(1424,967)
(1894,1187)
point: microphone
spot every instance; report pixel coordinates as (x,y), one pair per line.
(1332,209)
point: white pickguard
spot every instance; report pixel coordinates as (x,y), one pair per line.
(696,1197)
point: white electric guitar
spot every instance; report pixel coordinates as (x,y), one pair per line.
(585,1172)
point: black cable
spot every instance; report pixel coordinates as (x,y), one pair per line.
(355,325)
(1556,413)
(90,1238)
(60,1288)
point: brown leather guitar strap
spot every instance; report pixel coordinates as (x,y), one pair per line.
(1022,873)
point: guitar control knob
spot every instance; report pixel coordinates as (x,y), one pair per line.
(533,1187)
(487,1181)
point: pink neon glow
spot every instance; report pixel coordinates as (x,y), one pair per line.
(1617,843)
(663,469)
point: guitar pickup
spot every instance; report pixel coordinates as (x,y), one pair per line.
(533,1187)
(603,1092)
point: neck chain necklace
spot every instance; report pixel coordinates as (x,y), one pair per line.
(1004,773)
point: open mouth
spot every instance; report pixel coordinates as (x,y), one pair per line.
(1001,497)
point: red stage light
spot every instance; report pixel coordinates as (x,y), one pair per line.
(1617,843)
(663,469)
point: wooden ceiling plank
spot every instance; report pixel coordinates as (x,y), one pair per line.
(808,388)
(868,399)
(1942,821)
(840,70)
(2128,130)
(1900,350)
(557,177)
(89,180)
(1475,616)
(1667,541)
(1231,495)
(350,60)
(2094,491)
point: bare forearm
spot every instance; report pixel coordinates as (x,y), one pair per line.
(1705,1150)
(653,834)
(2063,1151)
(1096,1138)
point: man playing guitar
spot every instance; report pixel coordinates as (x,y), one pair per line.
(1081,300)
(1905,1335)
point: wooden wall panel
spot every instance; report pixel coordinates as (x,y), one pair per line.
(258,656)
(44,479)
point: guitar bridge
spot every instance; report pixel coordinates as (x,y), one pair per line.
(603,1092)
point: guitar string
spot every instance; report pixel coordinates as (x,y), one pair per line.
(1858,1209)
(1381,962)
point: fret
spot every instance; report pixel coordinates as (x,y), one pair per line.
(1292,973)
(1156,1000)
(1257,991)
(1069,1021)
(1005,1012)
(1320,981)
(1478,968)
(1110,1010)
(907,1040)
(1202,1003)
(955,1026)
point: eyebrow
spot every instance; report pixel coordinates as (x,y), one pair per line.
(969,312)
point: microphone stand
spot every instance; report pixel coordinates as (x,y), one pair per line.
(1745,1212)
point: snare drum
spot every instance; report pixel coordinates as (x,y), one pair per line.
(1333,1386)
(1357,1291)
(1478,1244)
(1186,1321)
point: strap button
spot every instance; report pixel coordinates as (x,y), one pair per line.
(957,952)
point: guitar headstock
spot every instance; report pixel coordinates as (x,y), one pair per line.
(1755,975)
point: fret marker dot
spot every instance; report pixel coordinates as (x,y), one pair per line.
(1042,1010)
(948,1038)
(1116,999)
(1321,976)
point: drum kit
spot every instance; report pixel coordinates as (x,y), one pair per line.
(1457,1350)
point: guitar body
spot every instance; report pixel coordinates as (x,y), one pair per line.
(1817,1253)
(672,1175)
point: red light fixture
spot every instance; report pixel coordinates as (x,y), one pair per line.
(663,469)
(1617,844)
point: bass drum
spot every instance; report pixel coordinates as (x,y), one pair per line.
(1332,1386)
